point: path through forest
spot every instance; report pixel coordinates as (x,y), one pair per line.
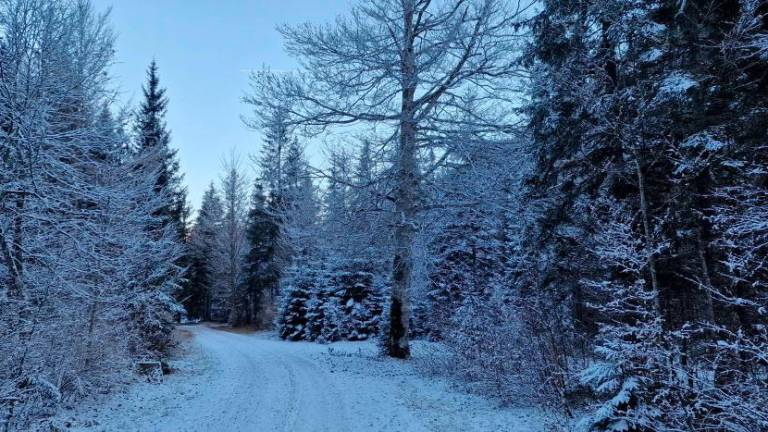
(256,382)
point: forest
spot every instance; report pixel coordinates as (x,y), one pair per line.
(569,198)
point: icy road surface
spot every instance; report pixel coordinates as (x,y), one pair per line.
(256,382)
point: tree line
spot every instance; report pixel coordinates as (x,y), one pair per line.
(570,195)
(92,214)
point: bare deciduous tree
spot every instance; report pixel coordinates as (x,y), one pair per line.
(404,66)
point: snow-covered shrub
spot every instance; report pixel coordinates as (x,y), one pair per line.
(292,314)
(354,286)
(316,318)
(340,304)
(152,317)
(514,351)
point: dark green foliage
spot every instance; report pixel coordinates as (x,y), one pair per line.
(341,304)
(262,270)
(153,144)
(194,295)
(160,160)
(651,108)
(466,255)
(203,241)
(292,315)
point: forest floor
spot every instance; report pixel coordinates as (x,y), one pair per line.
(252,381)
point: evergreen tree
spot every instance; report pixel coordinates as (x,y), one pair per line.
(637,105)
(262,271)
(274,152)
(156,159)
(318,325)
(203,241)
(360,303)
(292,317)
(299,206)
(466,255)
(333,319)
(153,144)
(336,218)
(232,246)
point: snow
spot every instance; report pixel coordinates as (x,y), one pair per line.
(256,382)
(704,140)
(677,83)
(651,55)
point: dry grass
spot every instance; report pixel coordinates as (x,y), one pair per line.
(238,330)
(183,335)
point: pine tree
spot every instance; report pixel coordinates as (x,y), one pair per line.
(358,299)
(262,271)
(292,320)
(317,322)
(638,108)
(153,143)
(333,328)
(203,270)
(299,206)
(274,152)
(232,243)
(159,161)
(467,255)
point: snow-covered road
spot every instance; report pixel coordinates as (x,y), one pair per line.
(255,382)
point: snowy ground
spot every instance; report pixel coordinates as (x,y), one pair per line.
(255,382)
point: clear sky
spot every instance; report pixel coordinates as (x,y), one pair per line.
(205,50)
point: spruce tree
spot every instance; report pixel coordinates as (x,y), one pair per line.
(358,300)
(650,107)
(153,141)
(203,269)
(159,160)
(466,258)
(299,209)
(274,151)
(292,320)
(262,271)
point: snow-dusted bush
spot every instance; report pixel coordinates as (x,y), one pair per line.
(292,313)
(340,304)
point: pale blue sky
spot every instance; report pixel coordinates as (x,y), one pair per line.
(205,50)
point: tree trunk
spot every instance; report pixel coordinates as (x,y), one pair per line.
(92,311)
(13,251)
(647,232)
(15,286)
(709,309)
(405,200)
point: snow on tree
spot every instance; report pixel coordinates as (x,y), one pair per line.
(629,106)
(466,257)
(292,317)
(360,305)
(152,136)
(330,302)
(262,271)
(88,275)
(403,66)
(204,273)
(231,301)
(632,346)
